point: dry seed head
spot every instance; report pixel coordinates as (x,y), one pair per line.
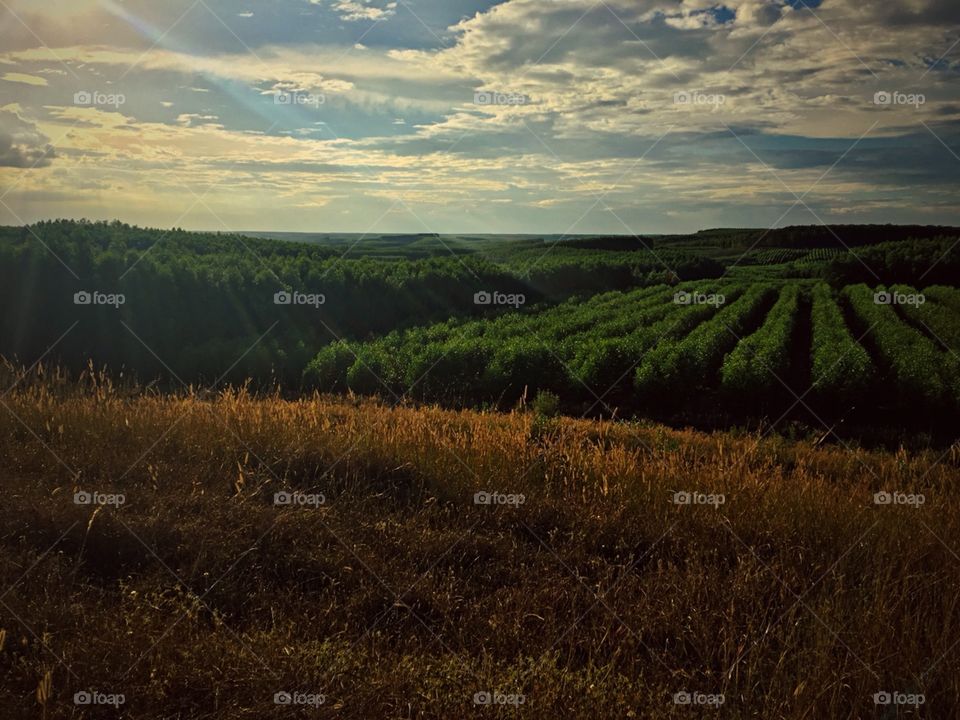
(45,688)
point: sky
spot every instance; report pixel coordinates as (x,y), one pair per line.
(476,116)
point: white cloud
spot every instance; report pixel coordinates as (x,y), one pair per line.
(354,10)
(24,79)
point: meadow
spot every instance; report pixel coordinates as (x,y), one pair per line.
(608,569)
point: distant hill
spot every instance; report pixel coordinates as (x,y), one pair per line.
(808,236)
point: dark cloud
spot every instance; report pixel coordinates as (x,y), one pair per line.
(767,15)
(931,12)
(18,155)
(22,145)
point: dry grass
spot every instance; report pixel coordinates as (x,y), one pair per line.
(399,597)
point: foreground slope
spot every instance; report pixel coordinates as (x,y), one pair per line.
(615,567)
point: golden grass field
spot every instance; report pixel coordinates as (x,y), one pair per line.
(399,597)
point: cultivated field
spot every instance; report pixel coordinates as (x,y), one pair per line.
(699,351)
(610,568)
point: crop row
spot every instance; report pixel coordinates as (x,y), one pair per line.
(760,363)
(675,370)
(778,256)
(574,347)
(605,363)
(841,369)
(932,317)
(922,372)
(944,295)
(754,343)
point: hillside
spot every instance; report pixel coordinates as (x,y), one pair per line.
(587,587)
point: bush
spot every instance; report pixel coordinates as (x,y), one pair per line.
(546,404)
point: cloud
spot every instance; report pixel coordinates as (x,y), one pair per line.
(25,79)
(354,10)
(21,144)
(194,119)
(792,89)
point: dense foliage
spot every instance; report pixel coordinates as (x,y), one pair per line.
(926,262)
(678,369)
(808,236)
(841,370)
(922,372)
(769,348)
(932,318)
(579,349)
(759,366)
(949,296)
(198,304)
(594,321)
